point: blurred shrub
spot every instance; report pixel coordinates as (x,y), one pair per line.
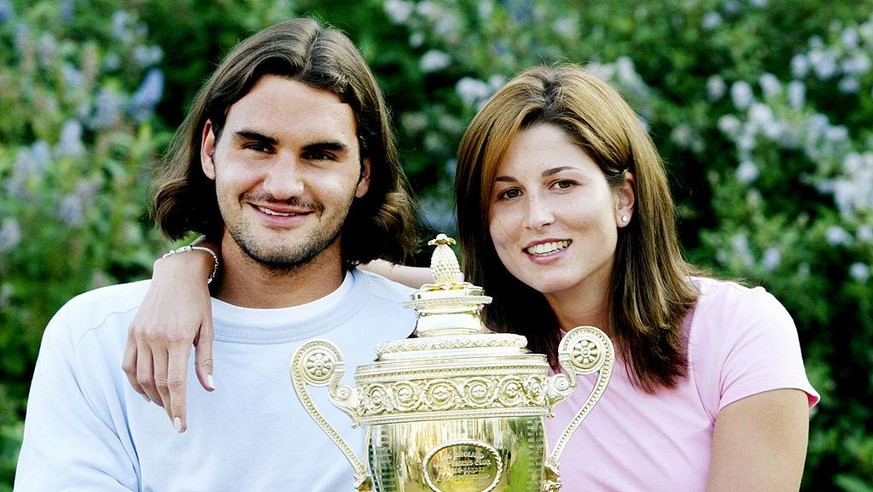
(762,109)
(78,95)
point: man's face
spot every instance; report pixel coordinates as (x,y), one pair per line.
(287,167)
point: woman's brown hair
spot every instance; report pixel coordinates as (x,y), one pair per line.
(650,290)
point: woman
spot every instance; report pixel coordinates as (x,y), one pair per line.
(563,203)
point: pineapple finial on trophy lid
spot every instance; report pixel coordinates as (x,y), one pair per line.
(449,305)
(443,263)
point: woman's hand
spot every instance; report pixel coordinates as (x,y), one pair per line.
(175,314)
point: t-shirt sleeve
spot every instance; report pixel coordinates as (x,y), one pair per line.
(749,345)
(68,441)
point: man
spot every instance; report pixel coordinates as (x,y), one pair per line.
(286,157)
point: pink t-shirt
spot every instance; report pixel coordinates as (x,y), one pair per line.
(741,342)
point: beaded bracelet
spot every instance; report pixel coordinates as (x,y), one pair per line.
(193,247)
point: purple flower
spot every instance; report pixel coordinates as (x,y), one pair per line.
(70,144)
(148,95)
(10,234)
(6,11)
(108,109)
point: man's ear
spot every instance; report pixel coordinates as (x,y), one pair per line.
(207,150)
(364,180)
(625,199)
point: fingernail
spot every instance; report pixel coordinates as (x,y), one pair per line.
(210,381)
(146,398)
(177,424)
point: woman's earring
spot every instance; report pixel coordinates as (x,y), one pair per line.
(624,219)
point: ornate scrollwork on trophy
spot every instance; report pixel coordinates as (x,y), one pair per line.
(455,407)
(320,363)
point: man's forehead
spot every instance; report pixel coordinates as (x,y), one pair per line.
(281,107)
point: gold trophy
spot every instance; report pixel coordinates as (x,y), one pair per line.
(455,407)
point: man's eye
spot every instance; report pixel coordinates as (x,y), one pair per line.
(257,147)
(319,156)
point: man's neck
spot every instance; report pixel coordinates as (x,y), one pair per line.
(247,283)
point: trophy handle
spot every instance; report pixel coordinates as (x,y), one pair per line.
(320,363)
(584,350)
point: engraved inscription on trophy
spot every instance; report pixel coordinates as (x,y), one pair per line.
(463,466)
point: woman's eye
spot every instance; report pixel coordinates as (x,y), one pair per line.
(564,184)
(509,194)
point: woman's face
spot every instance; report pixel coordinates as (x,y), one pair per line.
(553,217)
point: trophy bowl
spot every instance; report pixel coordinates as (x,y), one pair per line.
(455,407)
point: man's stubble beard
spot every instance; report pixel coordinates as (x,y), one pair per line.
(286,260)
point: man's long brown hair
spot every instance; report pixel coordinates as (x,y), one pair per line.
(381,224)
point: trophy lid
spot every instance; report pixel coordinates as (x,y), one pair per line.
(449,320)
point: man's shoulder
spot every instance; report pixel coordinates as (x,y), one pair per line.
(117,296)
(93,308)
(382,287)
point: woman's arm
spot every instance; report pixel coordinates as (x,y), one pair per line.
(760,443)
(175,314)
(411,276)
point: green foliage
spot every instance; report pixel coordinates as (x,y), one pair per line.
(762,109)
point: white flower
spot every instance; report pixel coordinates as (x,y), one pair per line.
(729,125)
(711,20)
(837,236)
(850,37)
(772,259)
(413,122)
(740,247)
(398,10)
(865,233)
(682,135)
(796,93)
(486,10)
(859,272)
(715,87)
(472,90)
(824,62)
(741,94)
(799,66)
(567,27)
(416,39)
(858,64)
(849,85)
(836,133)
(760,114)
(747,172)
(770,85)
(434,61)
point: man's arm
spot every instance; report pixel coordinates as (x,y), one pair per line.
(68,442)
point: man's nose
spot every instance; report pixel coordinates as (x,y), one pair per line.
(284,179)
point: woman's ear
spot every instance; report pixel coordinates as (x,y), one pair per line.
(625,199)
(207,150)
